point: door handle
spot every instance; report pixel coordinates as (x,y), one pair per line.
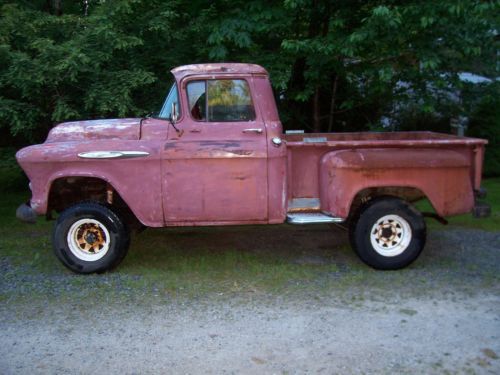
(253,130)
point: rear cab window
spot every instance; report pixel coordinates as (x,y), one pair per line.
(221,100)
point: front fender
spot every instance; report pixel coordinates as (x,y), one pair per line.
(137,180)
(442,175)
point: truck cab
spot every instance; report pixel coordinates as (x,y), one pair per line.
(221,148)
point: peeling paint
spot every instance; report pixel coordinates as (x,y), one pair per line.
(95,129)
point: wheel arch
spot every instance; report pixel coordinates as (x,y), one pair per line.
(409,194)
(65,191)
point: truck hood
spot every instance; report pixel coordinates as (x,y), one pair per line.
(128,129)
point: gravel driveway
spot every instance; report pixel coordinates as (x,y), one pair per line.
(441,316)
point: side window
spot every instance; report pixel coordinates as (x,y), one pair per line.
(172,97)
(197,100)
(229,100)
(224,100)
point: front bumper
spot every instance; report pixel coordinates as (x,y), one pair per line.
(26,214)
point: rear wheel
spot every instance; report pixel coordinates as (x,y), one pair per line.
(388,233)
(90,237)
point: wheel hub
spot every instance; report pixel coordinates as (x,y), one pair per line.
(88,239)
(390,235)
(387,233)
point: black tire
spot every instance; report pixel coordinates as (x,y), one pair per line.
(388,233)
(90,238)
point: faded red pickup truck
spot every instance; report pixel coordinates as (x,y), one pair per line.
(216,155)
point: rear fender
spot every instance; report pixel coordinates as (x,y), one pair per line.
(443,176)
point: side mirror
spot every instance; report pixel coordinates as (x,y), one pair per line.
(174,116)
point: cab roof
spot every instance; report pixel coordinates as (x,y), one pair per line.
(217,68)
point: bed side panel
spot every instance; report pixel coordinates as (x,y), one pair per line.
(442,175)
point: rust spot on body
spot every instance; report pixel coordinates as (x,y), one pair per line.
(169,146)
(241,152)
(219,143)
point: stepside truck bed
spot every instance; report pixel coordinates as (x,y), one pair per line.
(322,163)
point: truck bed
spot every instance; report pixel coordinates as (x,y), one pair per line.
(306,150)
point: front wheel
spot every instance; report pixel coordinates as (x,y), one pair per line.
(388,234)
(89,237)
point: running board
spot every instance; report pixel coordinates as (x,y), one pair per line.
(312,218)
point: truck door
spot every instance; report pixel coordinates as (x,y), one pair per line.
(215,164)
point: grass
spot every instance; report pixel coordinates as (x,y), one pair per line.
(226,261)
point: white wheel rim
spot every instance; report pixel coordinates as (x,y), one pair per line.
(390,235)
(88,240)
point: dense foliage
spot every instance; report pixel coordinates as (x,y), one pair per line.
(338,65)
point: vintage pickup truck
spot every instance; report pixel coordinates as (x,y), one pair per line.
(216,155)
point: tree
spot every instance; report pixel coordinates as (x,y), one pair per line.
(335,65)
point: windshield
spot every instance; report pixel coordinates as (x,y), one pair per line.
(172,97)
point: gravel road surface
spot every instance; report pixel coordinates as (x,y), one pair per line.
(404,336)
(446,328)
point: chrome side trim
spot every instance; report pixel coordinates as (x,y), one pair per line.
(312,218)
(315,139)
(112,154)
